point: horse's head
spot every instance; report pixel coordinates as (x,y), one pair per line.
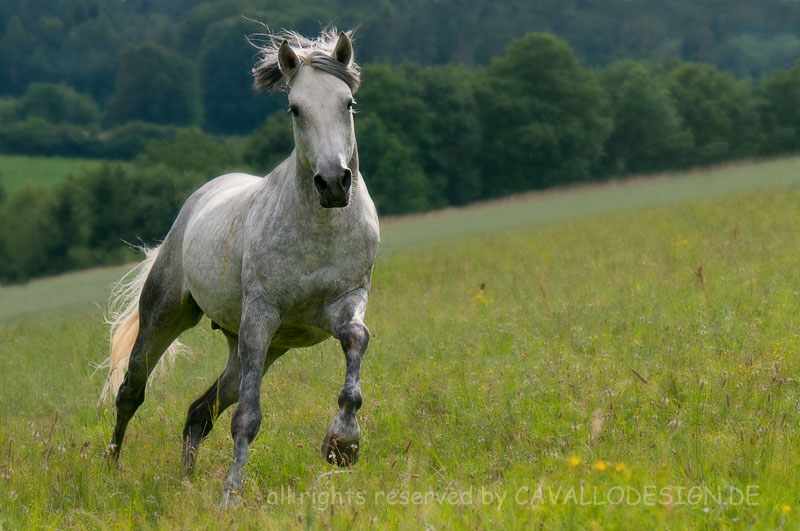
(321,78)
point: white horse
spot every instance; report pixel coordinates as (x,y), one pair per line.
(276,262)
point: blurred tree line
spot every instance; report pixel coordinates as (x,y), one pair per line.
(430,134)
(194,61)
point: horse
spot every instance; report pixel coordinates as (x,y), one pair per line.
(277,262)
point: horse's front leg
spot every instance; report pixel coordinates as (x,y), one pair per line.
(259,323)
(341,443)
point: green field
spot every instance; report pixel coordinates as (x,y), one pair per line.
(631,363)
(18,169)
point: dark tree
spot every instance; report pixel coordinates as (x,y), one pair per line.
(648,134)
(720,112)
(232,106)
(57,104)
(154,85)
(782,110)
(544,117)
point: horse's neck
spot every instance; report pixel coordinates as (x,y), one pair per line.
(285,210)
(302,180)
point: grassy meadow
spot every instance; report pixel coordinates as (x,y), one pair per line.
(18,169)
(631,361)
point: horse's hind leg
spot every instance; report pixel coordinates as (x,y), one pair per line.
(210,405)
(164,312)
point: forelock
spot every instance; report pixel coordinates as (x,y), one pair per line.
(316,53)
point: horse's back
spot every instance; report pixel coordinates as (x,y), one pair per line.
(211,213)
(217,191)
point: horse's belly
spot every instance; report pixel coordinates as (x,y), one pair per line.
(214,280)
(222,307)
(213,276)
(296,335)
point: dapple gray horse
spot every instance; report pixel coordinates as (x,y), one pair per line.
(277,262)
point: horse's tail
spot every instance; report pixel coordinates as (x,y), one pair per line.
(122,316)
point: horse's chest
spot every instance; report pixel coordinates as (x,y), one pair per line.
(312,270)
(309,287)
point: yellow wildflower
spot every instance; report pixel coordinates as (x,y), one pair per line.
(574,461)
(620,467)
(480,297)
(786,508)
(599,466)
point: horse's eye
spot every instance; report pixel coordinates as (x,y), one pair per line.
(293,109)
(350,105)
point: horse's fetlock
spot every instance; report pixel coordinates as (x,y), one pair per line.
(350,397)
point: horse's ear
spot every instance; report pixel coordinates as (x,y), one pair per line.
(343,52)
(287,59)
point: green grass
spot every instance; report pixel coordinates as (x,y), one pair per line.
(85,290)
(18,169)
(517,391)
(561,204)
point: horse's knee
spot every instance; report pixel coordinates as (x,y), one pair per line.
(129,398)
(246,421)
(354,336)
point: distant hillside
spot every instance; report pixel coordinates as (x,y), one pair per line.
(399,234)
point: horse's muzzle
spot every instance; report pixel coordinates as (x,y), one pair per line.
(334,191)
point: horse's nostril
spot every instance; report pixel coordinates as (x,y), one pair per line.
(320,183)
(347,179)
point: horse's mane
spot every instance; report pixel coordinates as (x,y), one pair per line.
(313,52)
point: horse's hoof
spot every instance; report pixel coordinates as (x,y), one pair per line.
(111,455)
(231,499)
(338,452)
(188,461)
